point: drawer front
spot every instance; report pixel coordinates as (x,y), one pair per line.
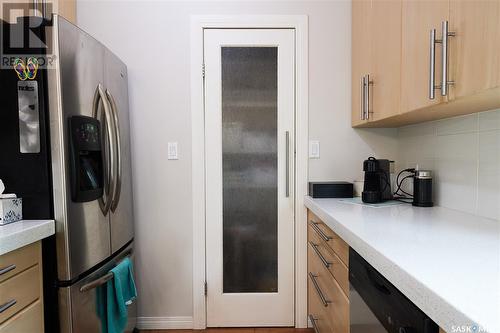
(17,261)
(317,312)
(29,320)
(331,239)
(329,260)
(19,291)
(329,293)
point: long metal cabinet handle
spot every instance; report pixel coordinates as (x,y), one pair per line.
(118,182)
(7,269)
(367,97)
(362,102)
(100,97)
(4,307)
(313,322)
(318,290)
(320,232)
(43,9)
(325,262)
(367,83)
(432,64)
(287,164)
(444,79)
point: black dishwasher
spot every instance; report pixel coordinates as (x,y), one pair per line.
(376,306)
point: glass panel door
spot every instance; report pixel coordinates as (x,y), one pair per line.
(249,164)
(249,168)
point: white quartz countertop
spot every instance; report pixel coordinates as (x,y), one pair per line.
(445,261)
(18,234)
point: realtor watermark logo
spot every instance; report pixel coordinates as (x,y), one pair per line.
(473,328)
(23,47)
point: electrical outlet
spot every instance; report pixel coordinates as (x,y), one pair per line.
(172,153)
(313,149)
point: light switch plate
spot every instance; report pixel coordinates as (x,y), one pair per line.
(172,151)
(313,149)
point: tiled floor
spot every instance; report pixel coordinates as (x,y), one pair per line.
(236,330)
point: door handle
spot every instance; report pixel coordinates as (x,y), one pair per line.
(42,10)
(320,232)
(118,181)
(287,164)
(444,79)
(318,290)
(432,64)
(103,279)
(362,102)
(4,307)
(325,262)
(313,322)
(379,286)
(7,269)
(96,283)
(100,97)
(444,60)
(367,83)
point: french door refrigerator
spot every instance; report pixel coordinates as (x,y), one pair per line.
(67,131)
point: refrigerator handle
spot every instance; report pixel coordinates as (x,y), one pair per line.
(105,278)
(100,97)
(118,181)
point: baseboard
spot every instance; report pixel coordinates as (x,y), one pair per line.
(152,323)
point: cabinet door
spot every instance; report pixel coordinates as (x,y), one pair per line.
(65,8)
(475,51)
(419,17)
(385,70)
(360,54)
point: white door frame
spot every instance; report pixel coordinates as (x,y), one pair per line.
(300,24)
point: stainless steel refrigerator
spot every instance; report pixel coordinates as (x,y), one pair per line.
(74,136)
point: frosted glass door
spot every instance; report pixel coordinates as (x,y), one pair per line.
(249,169)
(249,124)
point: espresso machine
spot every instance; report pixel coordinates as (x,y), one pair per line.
(377,187)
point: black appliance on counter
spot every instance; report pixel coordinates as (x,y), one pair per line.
(376,306)
(377,186)
(422,189)
(336,189)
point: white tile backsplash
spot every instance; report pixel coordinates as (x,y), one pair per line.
(464,124)
(456,171)
(489,120)
(488,200)
(464,154)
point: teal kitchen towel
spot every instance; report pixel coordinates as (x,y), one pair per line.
(121,292)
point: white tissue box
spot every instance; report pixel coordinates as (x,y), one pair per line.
(11,210)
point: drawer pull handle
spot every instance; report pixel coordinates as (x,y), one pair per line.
(318,290)
(313,322)
(7,269)
(318,253)
(7,305)
(320,232)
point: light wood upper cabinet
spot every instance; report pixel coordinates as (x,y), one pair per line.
(65,8)
(400,94)
(475,51)
(385,69)
(419,18)
(361,55)
(376,54)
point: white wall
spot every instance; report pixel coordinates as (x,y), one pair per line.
(153,39)
(464,153)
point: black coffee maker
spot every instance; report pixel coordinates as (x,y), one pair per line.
(377,187)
